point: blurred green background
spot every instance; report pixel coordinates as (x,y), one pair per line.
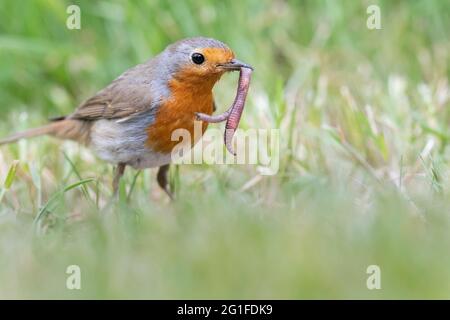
(364,178)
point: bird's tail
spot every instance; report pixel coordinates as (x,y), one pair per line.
(64,129)
(28,134)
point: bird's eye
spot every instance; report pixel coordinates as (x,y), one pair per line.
(198,58)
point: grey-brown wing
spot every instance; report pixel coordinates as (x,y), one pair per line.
(115,102)
(130,94)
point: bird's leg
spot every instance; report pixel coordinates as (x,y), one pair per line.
(163,180)
(119,171)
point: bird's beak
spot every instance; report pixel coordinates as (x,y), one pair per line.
(235,65)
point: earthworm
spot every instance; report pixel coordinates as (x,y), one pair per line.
(232,115)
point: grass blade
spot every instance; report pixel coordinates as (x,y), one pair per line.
(9,179)
(11,175)
(52,201)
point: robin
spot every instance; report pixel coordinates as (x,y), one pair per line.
(130,122)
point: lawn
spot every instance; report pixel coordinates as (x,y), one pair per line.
(363,118)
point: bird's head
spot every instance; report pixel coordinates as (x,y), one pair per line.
(200,59)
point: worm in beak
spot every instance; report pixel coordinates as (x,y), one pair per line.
(232,115)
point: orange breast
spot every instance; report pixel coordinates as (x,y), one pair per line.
(179,112)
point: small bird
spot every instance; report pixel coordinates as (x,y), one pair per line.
(130,122)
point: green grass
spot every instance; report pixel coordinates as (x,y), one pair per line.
(364,178)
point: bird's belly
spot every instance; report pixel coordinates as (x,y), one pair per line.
(125,143)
